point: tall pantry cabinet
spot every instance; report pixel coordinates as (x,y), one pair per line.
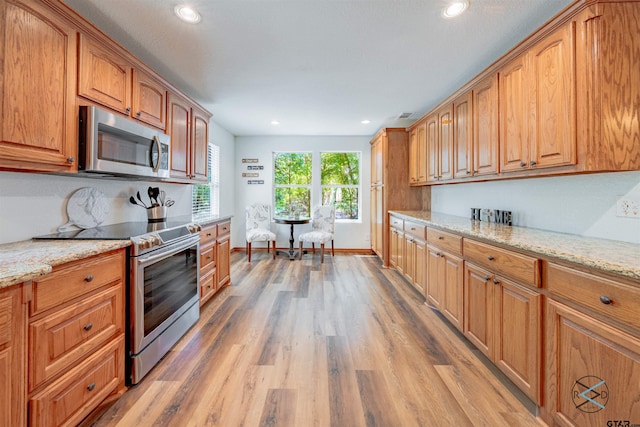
(390,188)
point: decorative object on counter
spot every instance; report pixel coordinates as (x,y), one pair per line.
(86,208)
(488,215)
(157,211)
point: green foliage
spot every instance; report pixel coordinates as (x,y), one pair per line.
(201,197)
(340,168)
(292,171)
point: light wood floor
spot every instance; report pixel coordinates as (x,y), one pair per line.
(299,343)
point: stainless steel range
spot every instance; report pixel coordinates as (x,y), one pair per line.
(163,285)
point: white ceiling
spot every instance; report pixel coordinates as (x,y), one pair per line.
(319,67)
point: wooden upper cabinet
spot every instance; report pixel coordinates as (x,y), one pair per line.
(189,130)
(553,138)
(418,154)
(149,100)
(463,136)
(514,112)
(200,144)
(485,126)
(445,134)
(38,110)
(433,167)
(104,76)
(179,113)
(109,79)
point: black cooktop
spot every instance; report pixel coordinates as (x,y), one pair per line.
(122,231)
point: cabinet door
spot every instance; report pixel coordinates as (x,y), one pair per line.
(38,112)
(592,370)
(409,258)
(418,154)
(485,126)
(420,255)
(400,263)
(435,278)
(149,100)
(413,157)
(518,335)
(179,128)
(514,110)
(372,222)
(478,308)
(224,268)
(553,71)
(433,157)
(199,145)
(463,136)
(12,357)
(104,76)
(453,289)
(445,130)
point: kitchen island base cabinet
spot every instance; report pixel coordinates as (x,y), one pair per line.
(592,372)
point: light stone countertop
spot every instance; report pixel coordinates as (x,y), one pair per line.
(29,259)
(609,256)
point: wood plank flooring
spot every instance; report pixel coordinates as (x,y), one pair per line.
(300,343)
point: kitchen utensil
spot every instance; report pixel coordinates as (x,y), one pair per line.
(150,194)
(163,196)
(140,198)
(156,192)
(169,202)
(86,208)
(132,200)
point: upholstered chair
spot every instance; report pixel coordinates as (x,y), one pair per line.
(258,225)
(322,222)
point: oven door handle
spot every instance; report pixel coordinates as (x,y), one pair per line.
(174,250)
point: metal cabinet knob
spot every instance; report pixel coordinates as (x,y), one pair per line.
(128,110)
(523,165)
(532,163)
(91,386)
(486,278)
(139,113)
(71,159)
(88,326)
(490,258)
(440,238)
(89,278)
(496,281)
(605,299)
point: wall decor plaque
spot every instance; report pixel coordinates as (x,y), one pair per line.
(250,175)
(249,160)
(255,168)
(255,181)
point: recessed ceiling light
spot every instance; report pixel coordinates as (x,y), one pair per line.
(275,122)
(455,9)
(187,14)
(365,122)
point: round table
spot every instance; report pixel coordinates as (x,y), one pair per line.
(291,221)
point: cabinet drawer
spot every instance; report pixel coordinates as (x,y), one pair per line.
(207,258)
(60,339)
(517,266)
(415,229)
(447,241)
(207,285)
(621,302)
(224,228)
(72,397)
(208,235)
(396,222)
(76,279)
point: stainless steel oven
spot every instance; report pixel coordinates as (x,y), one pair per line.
(164,300)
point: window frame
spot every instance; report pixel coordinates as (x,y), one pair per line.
(309,186)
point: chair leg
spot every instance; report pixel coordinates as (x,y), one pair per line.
(332,253)
(274,248)
(300,250)
(248,251)
(322,253)
(313,248)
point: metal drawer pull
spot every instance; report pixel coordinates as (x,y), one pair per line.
(208,234)
(88,326)
(605,299)
(440,238)
(490,258)
(486,278)
(89,278)
(496,281)
(91,386)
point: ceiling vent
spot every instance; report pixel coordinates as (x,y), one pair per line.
(404,116)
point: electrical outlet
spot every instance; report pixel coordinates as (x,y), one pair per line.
(628,208)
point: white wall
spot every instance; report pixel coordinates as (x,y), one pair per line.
(35,204)
(351,235)
(578,204)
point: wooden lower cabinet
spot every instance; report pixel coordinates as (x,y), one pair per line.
(592,370)
(395,248)
(224,268)
(444,288)
(414,257)
(215,258)
(76,339)
(13,316)
(503,320)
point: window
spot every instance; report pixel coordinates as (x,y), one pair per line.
(205,198)
(340,183)
(292,183)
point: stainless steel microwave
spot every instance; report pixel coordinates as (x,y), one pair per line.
(113,145)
